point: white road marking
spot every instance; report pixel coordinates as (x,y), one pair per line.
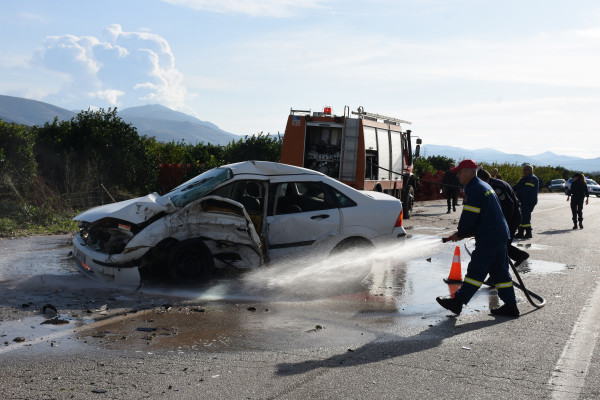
(570,372)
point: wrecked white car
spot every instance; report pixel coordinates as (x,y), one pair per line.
(250,213)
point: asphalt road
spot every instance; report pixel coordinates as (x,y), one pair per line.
(253,339)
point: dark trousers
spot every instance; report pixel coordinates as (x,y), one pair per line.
(577,209)
(526,210)
(488,258)
(451,198)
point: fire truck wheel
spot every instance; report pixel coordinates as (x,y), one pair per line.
(408,200)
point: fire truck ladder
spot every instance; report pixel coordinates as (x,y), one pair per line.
(375,117)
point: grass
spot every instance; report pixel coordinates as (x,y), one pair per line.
(28,221)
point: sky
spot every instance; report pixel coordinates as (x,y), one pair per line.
(519,76)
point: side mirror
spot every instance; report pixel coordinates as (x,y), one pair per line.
(418,147)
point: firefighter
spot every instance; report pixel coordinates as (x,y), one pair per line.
(511,208)
(527,191)
(451,187)
(576,194)
(482,217)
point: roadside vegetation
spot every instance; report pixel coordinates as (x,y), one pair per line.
(49,173)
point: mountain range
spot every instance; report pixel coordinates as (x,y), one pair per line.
(167,125)
(153,120)
(587,165)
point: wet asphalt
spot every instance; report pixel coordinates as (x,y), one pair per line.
(298,331)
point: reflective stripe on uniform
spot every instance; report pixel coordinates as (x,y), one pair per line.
(525,226)
(476,210)
(488,193)
(504,285)
(530,184)
(472,281)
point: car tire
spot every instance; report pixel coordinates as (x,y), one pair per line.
(351,244)
(408,201)
(358,268)
(190,261)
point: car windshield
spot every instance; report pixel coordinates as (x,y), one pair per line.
(591,182)
(197,187)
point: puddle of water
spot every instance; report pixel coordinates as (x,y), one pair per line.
(532,246)
(24,257)
(29,332)
(290,301)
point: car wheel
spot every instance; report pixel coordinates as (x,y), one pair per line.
(351,244)
(358,263)
(408,202)
(190,261)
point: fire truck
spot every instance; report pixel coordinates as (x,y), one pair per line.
(364,150)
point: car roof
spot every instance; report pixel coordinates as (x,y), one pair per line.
(268,168)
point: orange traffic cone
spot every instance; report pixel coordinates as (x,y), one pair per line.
(455,274)
(453,288)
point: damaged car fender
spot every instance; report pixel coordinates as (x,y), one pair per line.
(221,223)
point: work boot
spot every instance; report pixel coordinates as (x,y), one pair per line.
(519,234)
(574,224)
(528,233)
(522,257)
(448,212)
(453,208)
(581,224)
(507,310)
(450,303)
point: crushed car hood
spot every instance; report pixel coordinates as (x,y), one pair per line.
(135,210)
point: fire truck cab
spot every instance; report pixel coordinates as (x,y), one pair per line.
(367,152)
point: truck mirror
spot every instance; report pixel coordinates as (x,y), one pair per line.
(417,149)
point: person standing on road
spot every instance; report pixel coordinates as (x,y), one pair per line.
(577,192)
(451,187)
(495,174)
(482,217)
(511,209)
(527,190)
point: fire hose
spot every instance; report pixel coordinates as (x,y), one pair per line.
(528,293)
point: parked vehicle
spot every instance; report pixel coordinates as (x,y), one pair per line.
(593,186)
(557,185)
(368,152)
(250,213)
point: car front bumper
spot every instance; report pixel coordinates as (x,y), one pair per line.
(119,269)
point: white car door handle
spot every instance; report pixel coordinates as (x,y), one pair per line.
(322,216)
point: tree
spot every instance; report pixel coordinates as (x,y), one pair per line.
(95,147)
(17,162)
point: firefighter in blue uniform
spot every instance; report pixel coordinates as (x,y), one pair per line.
(527,190)
(482,218)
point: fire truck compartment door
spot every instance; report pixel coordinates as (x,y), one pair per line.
(349,150)
(302,231)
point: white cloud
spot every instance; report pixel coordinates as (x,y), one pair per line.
(111,96)
(255,8)
(127,68)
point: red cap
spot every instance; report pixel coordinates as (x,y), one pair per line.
(464,164)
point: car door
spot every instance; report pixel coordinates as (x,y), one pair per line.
(303,218)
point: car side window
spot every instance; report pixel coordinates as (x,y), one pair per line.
(342,200)
(297,197)
(249,193)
